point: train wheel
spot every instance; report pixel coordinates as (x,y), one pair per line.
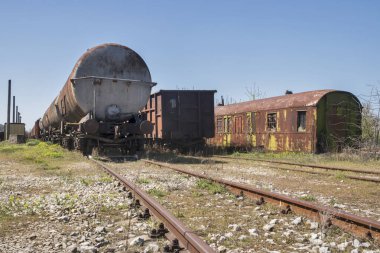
(67,143)
(88,148)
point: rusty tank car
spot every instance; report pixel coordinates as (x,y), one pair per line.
(97,110)
(312,122)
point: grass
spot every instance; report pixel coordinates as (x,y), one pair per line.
(106,179)
(86,181)
(15,206)
(143,181)
(36,152)
(340,175)
(308,197)
(210,186)
(196,194)
(45,158)
(157,193)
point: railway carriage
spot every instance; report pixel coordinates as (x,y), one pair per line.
(314,121)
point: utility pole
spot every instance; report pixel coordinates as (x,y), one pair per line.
(9,110)
(14,103)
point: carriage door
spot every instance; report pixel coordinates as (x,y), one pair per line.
(227,131)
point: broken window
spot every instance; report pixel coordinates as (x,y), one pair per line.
(301,121)
(173,103)
(219,125)
(227,122)
(272,121)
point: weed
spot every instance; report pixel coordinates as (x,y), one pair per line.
(196,194)
(210,186)
(340,175)
(308,198)
(143,181)
(10,149)
(32,142)
(180,215)
(106,179)
(41,153)
(157,193)
(86,181)
(332,201)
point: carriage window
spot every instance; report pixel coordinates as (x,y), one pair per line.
(219,125)
(248,123)
(271,121)
(173,103)
(238,125)
(227,121)
(253,120)
(301,121)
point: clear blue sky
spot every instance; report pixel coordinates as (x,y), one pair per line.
(222,45)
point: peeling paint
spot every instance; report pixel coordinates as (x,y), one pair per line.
(321,121)
(272,145)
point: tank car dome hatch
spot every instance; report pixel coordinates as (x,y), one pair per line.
(112,61)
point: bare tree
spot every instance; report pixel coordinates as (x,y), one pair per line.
(371,120)
(254,92)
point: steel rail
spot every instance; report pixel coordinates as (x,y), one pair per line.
(186,237)
(302,165)
(359,226)
(367,179)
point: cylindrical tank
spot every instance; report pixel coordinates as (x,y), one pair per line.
(109,82)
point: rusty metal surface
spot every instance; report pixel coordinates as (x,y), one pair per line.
(284,138)
(189,239)
(330,117)
(302,99)
(360,226)
(181,114)
(106,60)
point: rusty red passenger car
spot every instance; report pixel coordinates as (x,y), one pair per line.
(181,118)
(313,121)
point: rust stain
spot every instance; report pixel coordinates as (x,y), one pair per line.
(296,118)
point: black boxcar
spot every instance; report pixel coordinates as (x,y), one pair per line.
(181,118)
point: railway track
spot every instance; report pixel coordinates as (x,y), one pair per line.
(363,171)
(361,178)
(178,231)
(359,226)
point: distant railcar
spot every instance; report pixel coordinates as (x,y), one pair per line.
(314,121)
(1,132)
(181,118)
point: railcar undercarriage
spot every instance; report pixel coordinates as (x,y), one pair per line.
(109,139)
